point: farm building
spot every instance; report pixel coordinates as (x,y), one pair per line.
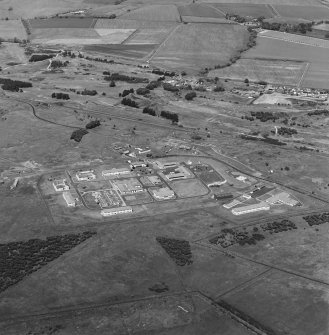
(137,164)
(115,172)
(165,165)
(70,201)
(126,186)
(155,180)
(61,185)
(232,204)
(163,193)
(262,206)
(86,175)
(116,211)
(217,183)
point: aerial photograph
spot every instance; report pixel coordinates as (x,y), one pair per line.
(164,167)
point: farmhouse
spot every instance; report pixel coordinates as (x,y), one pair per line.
(116,211)
(262,206)
(115,172)
(70,201)
(61,185)
(127,186)
(163,193)
(86,175)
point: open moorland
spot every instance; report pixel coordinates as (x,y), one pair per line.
(164,167)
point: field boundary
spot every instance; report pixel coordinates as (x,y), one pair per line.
(273,10)
(300,82)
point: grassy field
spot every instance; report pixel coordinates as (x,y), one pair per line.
(245,9)
(189,188)
(148,36)
(303,12)
(198,45)
(11,29)
(317,74)
(271,71)
(285,303)
(294,38)
(62,23)
(323,26)
(154,13)
(199,10)
(11,53)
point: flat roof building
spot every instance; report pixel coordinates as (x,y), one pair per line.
(126,186)
(138,164)
(115,172)
(85,175)
(68,197)
(61,185)
(282,198)
(165,165)
(116,211)
(163,193)
(262,206)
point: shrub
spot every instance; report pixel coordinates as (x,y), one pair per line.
(219,88)
(39,58)
(149,110)
(127,92)
(169,87)
(142,91)
(190,96)
(63,96)
(129,102)
(152,85)
(13,85)
(169,115)
(78,134)
(93,124)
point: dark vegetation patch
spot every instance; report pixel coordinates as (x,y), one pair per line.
(87,92)
(39,58)
(268,140)
(286,131)
(13,85)
(128,79)
(190,96)
(164,73)
(62,96)
(78,134)
(142,91)
(152,85)
(245,317)
(317,219)
(159,288)
(56,64)
(324,112)
(126,92)
(169,87)
(251,236)
(20,259)
(93,124)
(169,115)
(129,102)
(150,111)
(178,250)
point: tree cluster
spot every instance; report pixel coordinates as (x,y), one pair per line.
(142,91)
(286,131)
(317,219)
(93,124)
(20,259)
(78,134)
(190,96)
(164,73)
(39,58)
(60,95)
(178,250)
(169,115)
(152,85)
(149,110)
(56,64)
(266,139)
(127,92)
(129,102)
(302,28)
(125,78)
(87,92)
(13,85)
(319,112)
(266,116)
(169,87)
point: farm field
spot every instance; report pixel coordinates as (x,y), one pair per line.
(192,46)
(154,13)
(199,10)
(245,9)
(137,51)
(10,54)
(12,29)
(203,19)
(270,2)
(148,36)
(272,71)
(294,38)
(303,12)
(268,48)
(81,36)
(284,303)
(132,24)
(62,23)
